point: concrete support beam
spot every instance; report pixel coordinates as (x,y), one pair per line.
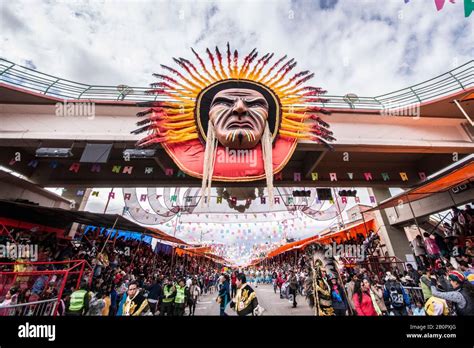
(393,237)
(79,204)
(361,132)
(435,203)
(12,187)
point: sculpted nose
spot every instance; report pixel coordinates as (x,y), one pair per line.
(239,108)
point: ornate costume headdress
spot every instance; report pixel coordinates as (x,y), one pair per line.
(237,105)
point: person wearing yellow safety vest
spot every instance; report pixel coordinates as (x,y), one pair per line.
(180,299)
(79,301)
(167,302)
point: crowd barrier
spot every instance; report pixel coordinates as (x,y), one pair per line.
(40,277)
(378,265)
(37,308)
(415,293)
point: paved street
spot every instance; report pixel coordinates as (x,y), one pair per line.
(272,303)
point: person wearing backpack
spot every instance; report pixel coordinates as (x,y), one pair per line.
(395,297)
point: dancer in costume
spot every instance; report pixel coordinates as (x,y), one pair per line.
(245,301)
(136,304)
(318,290)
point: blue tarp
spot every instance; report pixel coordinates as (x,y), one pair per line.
(125,234)
(163,248)
(160,247)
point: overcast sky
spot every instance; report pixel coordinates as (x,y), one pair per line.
(367,47)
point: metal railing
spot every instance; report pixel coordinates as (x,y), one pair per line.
(378,265)
(415,293)
(460,78)
(64,271)
(38,308)
(438,219)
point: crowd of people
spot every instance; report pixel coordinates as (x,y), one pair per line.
(361,292)
(440,283)
(128,278)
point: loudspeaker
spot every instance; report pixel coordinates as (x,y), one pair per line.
(301,193)
(324,194)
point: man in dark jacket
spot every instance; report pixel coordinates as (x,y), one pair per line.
(413,273)
(338,297)
(293,287)
(155,294)
(224,295)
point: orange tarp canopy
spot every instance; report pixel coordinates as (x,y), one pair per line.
(443,182)
(160,235)
(196,253)
(351,230)
(204,249)
(468,97)
(294,245)
(255,262)
(181,252)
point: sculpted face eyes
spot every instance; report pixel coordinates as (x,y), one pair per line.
(239,116)
(248,102)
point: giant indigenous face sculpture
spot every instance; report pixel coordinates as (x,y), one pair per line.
(239,116)
(249,103)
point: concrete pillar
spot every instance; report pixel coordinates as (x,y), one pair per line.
(77,201)
(80,203)
(393,237)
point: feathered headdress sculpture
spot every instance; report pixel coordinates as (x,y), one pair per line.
(191,111)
